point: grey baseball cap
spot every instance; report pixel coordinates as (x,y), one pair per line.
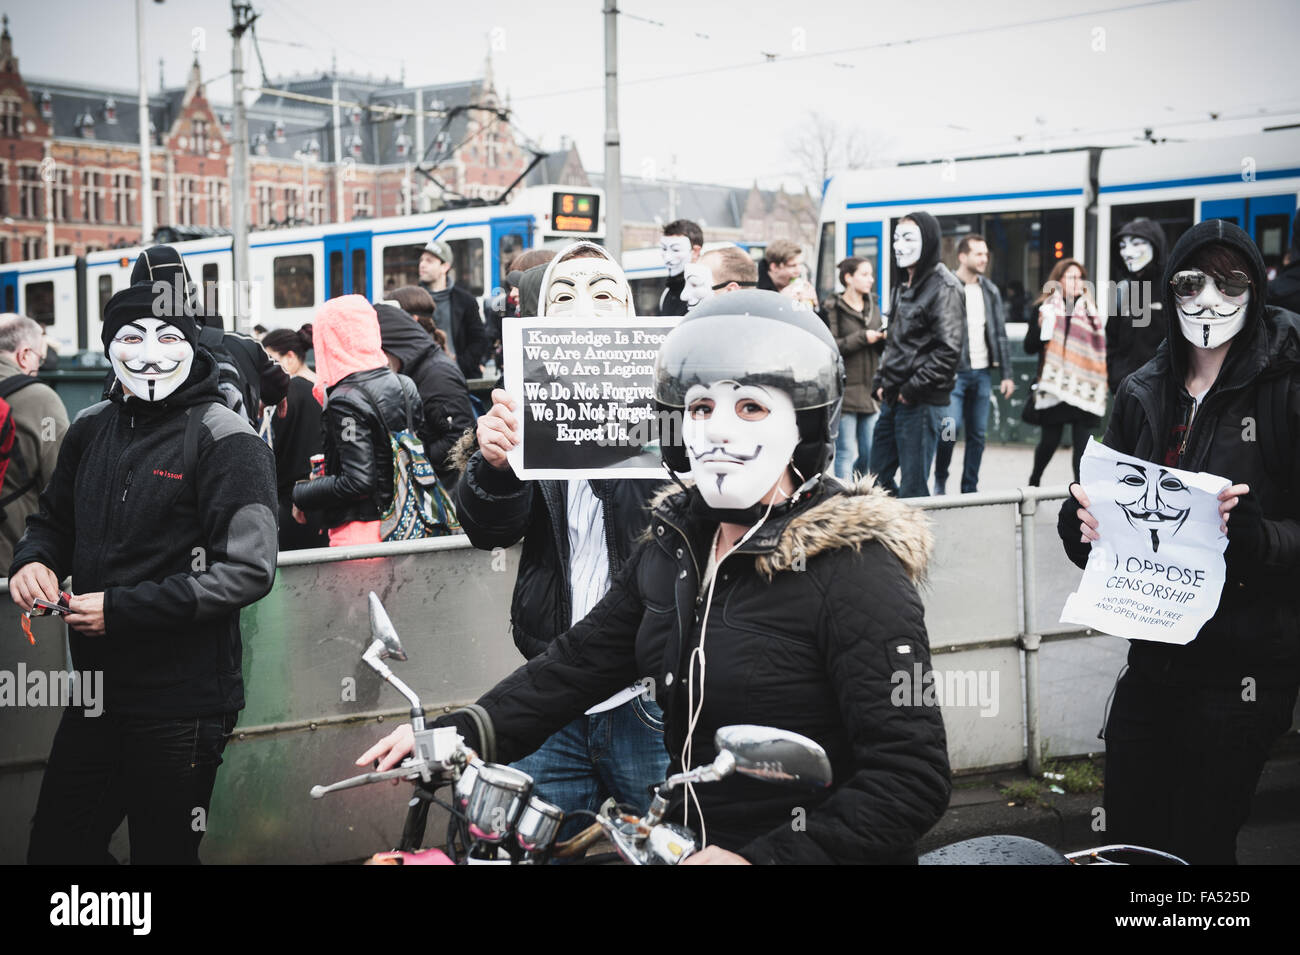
(441,249)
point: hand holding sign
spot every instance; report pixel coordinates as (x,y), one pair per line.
(1158,570)
(498,430)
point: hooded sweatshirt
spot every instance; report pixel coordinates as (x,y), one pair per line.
(1135,326)
(1256,630)
(444,393)
(565,253)
(345,337)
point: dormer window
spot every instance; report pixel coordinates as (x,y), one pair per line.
(356,115)
(47,105)
(110,110)
(225,124)
(403,146)
(278,130)
(354,146)
(86,124)
(260,144)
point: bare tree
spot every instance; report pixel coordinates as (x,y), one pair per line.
(822,147)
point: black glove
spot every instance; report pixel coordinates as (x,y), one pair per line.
(1067,526)
(1246,537)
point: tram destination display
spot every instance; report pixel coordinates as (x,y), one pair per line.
(585,394)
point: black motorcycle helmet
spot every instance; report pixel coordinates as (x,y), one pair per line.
(762,338)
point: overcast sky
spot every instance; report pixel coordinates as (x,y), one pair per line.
(719,96)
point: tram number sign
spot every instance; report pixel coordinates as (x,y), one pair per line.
(575,211)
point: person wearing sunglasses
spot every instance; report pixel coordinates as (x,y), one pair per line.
(1190,726)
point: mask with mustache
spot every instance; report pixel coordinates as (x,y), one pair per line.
(150,357)
(740,439)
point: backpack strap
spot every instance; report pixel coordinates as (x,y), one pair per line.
(15,383)
(194,421)
(23,477)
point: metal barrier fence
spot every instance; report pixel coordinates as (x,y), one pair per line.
(1013,681)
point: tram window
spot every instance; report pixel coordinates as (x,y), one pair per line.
(295,281)
(9,299)
(645,295)
(211,301)
(401,265)
(40,302)
(1270,236)
(105,292)
(336,274)
(826,277)
(358,271)
(468,267)
(953,229)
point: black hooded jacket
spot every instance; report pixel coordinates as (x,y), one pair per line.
(927,326)
(810,623)
(1135,322)
(1284,291)
(444,394)
(1237,434)
(177,551)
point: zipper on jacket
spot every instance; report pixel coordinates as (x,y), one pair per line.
(127,487)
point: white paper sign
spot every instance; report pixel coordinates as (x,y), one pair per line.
(1157,572)
(585,393)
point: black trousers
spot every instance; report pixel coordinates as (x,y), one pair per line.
(1182,763)
(157,773)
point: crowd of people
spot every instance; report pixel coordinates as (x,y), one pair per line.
(793,553)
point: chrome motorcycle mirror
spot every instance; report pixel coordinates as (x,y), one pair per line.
(382,630)
(775,755)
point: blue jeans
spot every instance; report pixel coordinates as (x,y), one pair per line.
(969,405)
(853,444)
(617,753)
(905,440)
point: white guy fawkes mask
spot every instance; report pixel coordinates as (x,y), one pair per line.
(1211,318)
(699,284)
(151,358)
(676,250)
(907,244)
(740,439)
(1136,252)
(588,287)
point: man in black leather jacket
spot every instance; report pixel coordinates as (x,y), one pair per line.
(925,336)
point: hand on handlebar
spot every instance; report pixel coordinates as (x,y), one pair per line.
(390,750)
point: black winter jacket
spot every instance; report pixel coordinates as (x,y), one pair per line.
(1256,630)
(995,330)
(496,509)
(1284,291)
(177,552)
(810,622)
(358,482)
(444,394)
(1135,322)
(468,335)
(927,326)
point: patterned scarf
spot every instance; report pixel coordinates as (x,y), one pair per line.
(1074,365)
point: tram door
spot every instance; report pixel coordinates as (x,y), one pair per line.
(347,264)
(9,291)
(510,236)
(1266,218)
(862,240)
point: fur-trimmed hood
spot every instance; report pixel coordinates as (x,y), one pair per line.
(839,515)
(464,448)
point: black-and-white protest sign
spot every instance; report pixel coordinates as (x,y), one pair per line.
(1157,572)
(585,390)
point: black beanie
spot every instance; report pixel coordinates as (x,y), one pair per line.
(147,300)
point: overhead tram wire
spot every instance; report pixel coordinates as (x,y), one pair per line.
(884,44)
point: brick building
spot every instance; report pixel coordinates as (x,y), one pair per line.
(70,156)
